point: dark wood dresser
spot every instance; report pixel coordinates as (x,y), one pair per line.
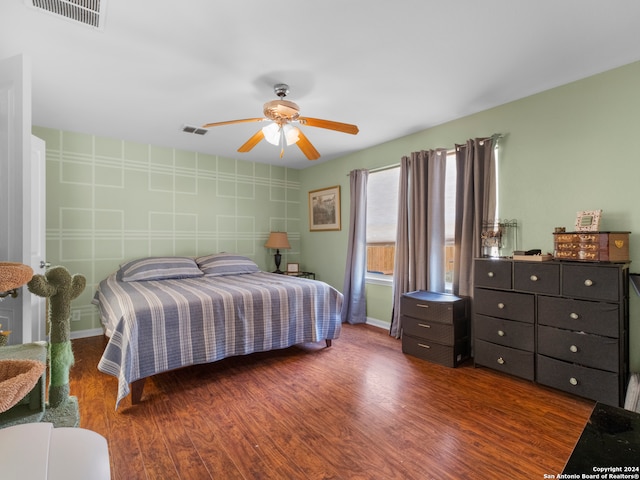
(561,324)
(436,327)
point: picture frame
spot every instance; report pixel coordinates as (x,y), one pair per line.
(293,267)
(324,209)
(588,221)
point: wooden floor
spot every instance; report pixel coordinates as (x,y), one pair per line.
(357,410)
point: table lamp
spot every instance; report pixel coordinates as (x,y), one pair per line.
(277,240)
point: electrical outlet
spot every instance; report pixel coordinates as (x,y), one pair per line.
(75,316)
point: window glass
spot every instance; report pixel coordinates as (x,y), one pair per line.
(382,220)
(449,220)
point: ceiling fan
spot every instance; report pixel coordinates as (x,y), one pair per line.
(284,116)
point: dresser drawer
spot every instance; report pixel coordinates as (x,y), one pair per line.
(492,273)
(586,382)
(437,332)
(505,359)
(591,282)
(447,355)
(580,315)
(581,348)
(437,307)
(536,277)
(505,332)
(510,305)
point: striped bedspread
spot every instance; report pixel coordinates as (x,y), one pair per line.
(156,326)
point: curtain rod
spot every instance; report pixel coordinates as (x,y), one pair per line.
(495,136)
(379,169)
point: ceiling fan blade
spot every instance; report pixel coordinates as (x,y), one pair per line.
(318,122)
(309,150)
(252,142)
(229,122)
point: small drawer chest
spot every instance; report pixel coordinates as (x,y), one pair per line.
(436,327)
(592,246)
(561,324)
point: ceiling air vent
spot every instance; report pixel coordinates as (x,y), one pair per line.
(87,12)
(194,130)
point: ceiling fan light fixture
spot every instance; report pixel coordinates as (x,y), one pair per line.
(291,134)
(280,133)
(272,133)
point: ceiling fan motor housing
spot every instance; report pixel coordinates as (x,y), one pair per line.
(281,111)
(281,89)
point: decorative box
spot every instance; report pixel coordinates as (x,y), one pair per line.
(592,246)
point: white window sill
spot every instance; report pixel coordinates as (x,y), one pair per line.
(374,279)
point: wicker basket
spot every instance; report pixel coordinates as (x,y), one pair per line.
(17,378)
(14,275)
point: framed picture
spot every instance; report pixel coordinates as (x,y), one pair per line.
(588,221)
(324,209)
(293,267)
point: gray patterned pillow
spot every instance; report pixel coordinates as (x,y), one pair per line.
(226,264)
(159,268)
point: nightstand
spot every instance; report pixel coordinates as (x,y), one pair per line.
(310,275)
(435,327)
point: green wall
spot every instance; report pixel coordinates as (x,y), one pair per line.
(110,200)
(566,149)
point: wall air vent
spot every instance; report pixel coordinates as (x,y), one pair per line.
(86,12)
(194,130)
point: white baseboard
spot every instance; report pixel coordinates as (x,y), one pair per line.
(378,323)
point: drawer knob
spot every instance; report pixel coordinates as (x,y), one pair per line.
(501,305)
(574,315)
(501,360)
(490,274)
(533,278)
(588,283)
(573,348)
(423,345)
(424,325)
(422,305)
(501,333)
(573,381)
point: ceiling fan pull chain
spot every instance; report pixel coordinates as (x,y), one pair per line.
(282,141)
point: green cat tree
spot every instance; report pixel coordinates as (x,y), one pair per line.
(60,288)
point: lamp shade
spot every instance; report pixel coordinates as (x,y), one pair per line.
(272,133)
(277,240)
(275,134)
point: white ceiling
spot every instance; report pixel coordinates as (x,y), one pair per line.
(392,68)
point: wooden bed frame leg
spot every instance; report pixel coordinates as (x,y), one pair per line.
(136,391)
(328,342)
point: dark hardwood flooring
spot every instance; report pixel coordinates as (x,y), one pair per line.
(357,410)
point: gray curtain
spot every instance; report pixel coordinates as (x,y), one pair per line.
(354,308)
(475,202)
(419,260)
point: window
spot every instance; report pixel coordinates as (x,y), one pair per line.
(382,220)
(449,220)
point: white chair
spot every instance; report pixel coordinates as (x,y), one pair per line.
(35,451)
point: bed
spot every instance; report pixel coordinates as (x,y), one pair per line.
(164,313)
